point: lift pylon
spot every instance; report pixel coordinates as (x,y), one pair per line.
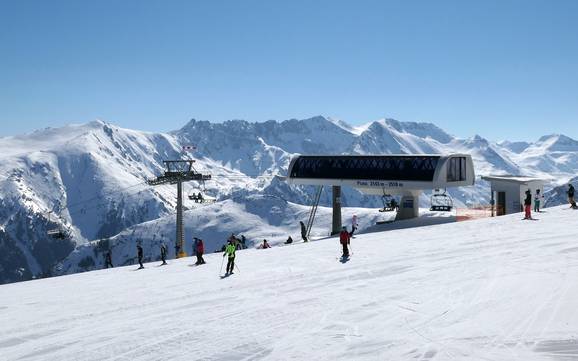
(177,172)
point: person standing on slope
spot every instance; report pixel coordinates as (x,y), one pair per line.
(354,225)
(163,254)
(571,196)
(345,240)
(528,205)
(303,231)
(230,252)
(108,259)
(140,255)
(200,250)
(537,198)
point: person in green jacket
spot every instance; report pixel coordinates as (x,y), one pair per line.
(230,251)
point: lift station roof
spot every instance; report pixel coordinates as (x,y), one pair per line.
(378,174)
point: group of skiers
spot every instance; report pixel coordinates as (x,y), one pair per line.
(538,197)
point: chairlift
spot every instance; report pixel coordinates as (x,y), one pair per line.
(389,203)
(197,197)
(441,201)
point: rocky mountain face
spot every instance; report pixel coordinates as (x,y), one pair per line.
(89,181)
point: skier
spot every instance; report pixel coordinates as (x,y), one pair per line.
(345,240)
(354,225)
(537,198)
(289,240)
(243,241)
(163,254)
(200,249)
(230,252)
(265,245)
(393,205)
(571,196)
(108,259)
(200,197)
(303,231)
(528,205)
(140,256)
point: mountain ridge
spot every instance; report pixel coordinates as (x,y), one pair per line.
(92,176)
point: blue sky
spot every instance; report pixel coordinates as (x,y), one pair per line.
(504,69)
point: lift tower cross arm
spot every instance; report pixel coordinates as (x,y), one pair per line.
(177,172)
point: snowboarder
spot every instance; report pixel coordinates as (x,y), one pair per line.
(354,225)
(264,245)
(571,196)
(163,254)
(140,255)
(537,198)
(528,205)
(303,231)
(108,259)
(289,240)
(230,252)
(345,240)
(199,250)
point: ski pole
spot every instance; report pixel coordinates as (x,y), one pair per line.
(221,269)
(237,267)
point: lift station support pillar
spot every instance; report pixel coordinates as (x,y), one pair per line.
(409,205)
(336,226)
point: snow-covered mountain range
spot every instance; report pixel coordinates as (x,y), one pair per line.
(90,179)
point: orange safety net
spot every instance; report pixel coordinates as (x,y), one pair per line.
(476,212)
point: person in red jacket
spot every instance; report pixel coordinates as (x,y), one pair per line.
(199,250)
(344,239)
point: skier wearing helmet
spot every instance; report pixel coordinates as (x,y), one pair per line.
(345,240)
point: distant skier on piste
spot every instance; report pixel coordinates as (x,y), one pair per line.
(108,259)
(230,253)
(528,205)
(345,240)
(163,254)
(303,231)
(140,255)
(200,250)
(354,225)
(571,196)
(537,199)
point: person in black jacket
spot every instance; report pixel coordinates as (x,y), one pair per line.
(163,254)
(108,259)
(303,231)
(571,196)
(528,205)
(140,255)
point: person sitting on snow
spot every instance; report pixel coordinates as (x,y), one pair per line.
(264,245)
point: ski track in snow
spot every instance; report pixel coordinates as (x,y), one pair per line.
(493,289)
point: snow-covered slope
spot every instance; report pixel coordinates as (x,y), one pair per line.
(445,292)
(92,176)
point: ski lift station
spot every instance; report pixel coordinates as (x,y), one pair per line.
(508,192)
(383,175)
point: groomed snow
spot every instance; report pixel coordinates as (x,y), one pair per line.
(492,289)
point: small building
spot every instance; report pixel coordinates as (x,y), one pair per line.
(509,191)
